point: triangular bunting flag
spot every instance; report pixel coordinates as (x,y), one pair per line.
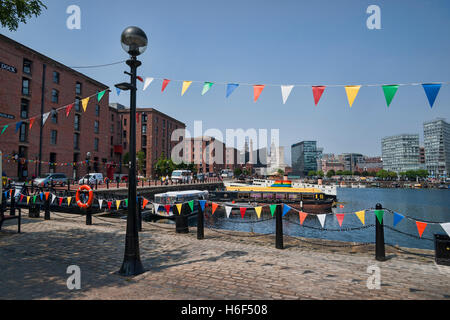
(69,199)
(140,79)
(446,227)
(179,207)
(202,204)
(286,92)
(100,95)
(321,218)
(317,93)
(168,207)
(206,87)
(421,227)
(389,93)
(191,205)
(228,211)
(258,211)
(41,195)
(46,195)
(45,117)
(126,202)
(118,204)
(230,88)
(4,128)
(53,198)
(379,214)
(21,197)
(164,85)
(257,90)
(186,85)
(243,210)
(340,218)
(303,216)
(147,82)
(100,204)
(397,218)
(144,203)
(60,201)
(32,122)
(431,91)
(28,200)
(286,209)
(352,92)
(109,203)
(361,216)
(118,91)
(84,103)
(18,124)
(214,207)
(273,208)
(156,207)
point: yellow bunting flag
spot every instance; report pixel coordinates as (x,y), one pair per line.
(117,204)
(361,215)
(85,102)
(258,212)
(28,199)
(186,85)
(68,200)
(352,92)
(179,207)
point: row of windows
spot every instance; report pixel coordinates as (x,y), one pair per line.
(76,142)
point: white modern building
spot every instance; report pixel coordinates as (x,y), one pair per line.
(437,147)
(401,153)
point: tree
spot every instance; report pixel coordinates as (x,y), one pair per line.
(237,172)
(331,173)
(280,172)
(126,159)
(312,173)
(320,173)
(12,12)
(140,161)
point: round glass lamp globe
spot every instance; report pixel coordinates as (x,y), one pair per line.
(134,41)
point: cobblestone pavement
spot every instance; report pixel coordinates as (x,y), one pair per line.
(226,265)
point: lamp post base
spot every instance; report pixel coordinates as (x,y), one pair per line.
(131,267)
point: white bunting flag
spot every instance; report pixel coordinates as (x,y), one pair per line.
(156,207)
(286,92)
(53,198)
(100,202)
(446,227)
(228,211)
(45,117)
(147,82)
(321,218)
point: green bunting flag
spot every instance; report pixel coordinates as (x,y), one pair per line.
(4,128)
(206,87)
(379,214)
(100,95)
(389,93)
(191,205)
(273,207)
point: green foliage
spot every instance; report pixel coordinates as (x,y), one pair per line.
(280,172)
(320,173)
(12,12)
(126,158)
(386,175)
(331,173)
(140,156)
(414,174)
(312,173)
(237,172)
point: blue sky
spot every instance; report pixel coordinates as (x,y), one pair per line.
(267,42)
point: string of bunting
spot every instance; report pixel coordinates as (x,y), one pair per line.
(389,90)
(397,218)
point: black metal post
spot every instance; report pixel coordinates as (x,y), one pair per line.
(132,264)
(13,202)
(88,217)
(200,224)
(379,237)
(139,213)
(279,228)
(107,184)
(42,120)
(47,209)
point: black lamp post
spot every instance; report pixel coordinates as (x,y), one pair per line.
(134,42)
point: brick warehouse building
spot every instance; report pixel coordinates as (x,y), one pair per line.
(24,88)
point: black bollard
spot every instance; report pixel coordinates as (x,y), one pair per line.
(96,184)
(13,202)
(379,237)
(88,217)
(181,220)
(279,228)
(139,214)
(47,209)
(200,224)
(107,184)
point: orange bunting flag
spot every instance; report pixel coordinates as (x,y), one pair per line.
(144,203)
(214,207)
(303,216)
(46,195)
(421,227)
(243,210)
(257,89)
(340,218)
(31,122)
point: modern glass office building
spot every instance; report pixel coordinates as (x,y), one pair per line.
(437,147)
(401,153)
(304,157)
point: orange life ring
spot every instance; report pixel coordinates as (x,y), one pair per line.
(88,204)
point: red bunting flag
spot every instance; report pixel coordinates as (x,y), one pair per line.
(68,109)
(140,79)
(243,210)
(303,216)
(167,207)
(214,207)
(21,198)
(421,227)
(144,203)
(340,218)
(109,205)
(60,201)
(137,116)
(31,122)
(317,92)
(257,89)
(164,85)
